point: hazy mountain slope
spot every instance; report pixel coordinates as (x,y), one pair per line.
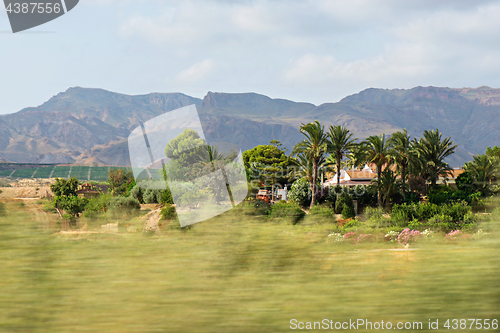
(92,125)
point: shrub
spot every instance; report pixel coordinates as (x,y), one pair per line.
(166,197)
(441,222)
(169,213)
(300,192)
(424,211)
(343,200)
(374,214)
(151,196)
(456,211)
(416,225)
(348,211)
(287,210)
(320,214)
(120,206)
(137,193)
(408,236)
(402,214)
(351,225)
(96,206)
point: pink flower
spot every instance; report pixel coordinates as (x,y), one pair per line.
(349,235)
(408,236)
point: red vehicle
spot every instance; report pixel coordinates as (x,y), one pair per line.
(264,195)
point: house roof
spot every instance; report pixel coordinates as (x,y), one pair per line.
(453,174)
(361,174)
(354,182)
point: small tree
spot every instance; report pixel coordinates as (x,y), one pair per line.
(121,181)
(63,187)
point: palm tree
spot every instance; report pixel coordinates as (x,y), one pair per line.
(378,154)
(358,156)
(314,148)
(483,169)
(306,167)
(431,151)
(389,185)
(401,152)
(340,144)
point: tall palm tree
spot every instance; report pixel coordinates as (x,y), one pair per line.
(401,152)
(483,169)
(378,154)
(431,151)
(305,166)
(389,186)
(314,147)
(340,144)
(358,156)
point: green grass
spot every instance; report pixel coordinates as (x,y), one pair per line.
(44,172)
(23,173)
(233,273)
(80,172)
(61,172)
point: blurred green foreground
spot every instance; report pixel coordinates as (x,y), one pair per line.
(232,274)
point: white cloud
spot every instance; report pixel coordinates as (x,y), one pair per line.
(197,72)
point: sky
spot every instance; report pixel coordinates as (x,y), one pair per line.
(313,51)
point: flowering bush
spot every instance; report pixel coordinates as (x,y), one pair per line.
(453,234)
(408,236)
(392,236)
(427,233)
(480,234)
(350,235)
(335,238)
(362,238)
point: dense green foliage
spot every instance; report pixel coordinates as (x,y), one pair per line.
(121,181)
(300,192)
(286,211)
(268,163)
(72,205)
(63,187)
(121,206)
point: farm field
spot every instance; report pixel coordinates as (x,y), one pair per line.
(23,173)
(232,273)
(79,172)
(44,172)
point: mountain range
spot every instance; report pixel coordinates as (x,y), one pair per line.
(91,126)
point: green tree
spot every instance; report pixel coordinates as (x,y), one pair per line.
(314,147)
(63,187)
(269,162)
(378,154)
(493,152)
(483,170)
(187,148)
(358,156)
(340,143)
(121,181)
(72,205)
(431,150)
(390,186)
(401,152)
